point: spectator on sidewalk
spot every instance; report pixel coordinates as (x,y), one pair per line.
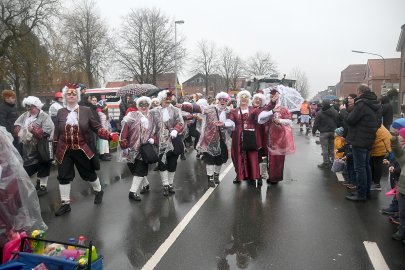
(387,112)
(362,124)
(326,122)
(381,148)
(8,110)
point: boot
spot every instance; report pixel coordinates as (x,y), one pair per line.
(216,178)
(144,189)
(400,234)
(63,209)
(134,196)
(166,190)
(211,182)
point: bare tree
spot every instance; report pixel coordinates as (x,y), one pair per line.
(87,40)
(148,47)
(301,83)
(20,17)
(261,64)
(226,65)
(238,67)
(205,61)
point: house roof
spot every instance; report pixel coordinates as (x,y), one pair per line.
(353,74)
(401,40)
(200,75)
(162,81)
(392,67)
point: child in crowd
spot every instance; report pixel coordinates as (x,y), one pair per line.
(394,170)
(399,154)
(345,150)
(339,142)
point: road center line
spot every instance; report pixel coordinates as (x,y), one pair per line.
(161,251)
(374,253)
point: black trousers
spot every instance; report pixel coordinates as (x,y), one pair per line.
(41,169)
(66,170)
(376,164)
(170,164)
(138,168)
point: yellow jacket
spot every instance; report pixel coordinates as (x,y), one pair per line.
(339,142)
(382,143)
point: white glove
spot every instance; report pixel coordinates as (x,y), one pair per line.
(151,141)
(173,133)
(145,122)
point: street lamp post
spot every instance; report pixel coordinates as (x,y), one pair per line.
(378,56)
(175,55)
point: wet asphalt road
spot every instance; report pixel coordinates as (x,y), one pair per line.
(302,223)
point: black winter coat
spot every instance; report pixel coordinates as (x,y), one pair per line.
(326,120)
(363,121)
(8,116)
(387,114)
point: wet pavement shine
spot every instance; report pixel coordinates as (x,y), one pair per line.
(304,222)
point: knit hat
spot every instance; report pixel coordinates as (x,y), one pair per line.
(399,123)
(7,93)
(402,132)
(339,131)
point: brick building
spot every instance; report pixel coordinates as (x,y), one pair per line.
(350,78)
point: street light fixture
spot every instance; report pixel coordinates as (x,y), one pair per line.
(175,54)
(378,56)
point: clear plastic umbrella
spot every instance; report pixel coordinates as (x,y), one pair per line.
(135,89)
(290,98)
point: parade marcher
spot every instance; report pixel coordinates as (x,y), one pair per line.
(56,106)
(155,103)
(280,140)
(30,128)
(138,127)
(170,126)
(8,111)
(259,101)
(245,118)
(73,137)
(213,131)
(103,146)
(305,116)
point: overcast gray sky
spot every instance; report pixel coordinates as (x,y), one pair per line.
(315,35)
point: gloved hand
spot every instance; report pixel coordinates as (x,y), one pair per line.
(145,122)
(114,136)
(173,133)
(151,141)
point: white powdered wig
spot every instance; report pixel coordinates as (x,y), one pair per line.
(31,100)
(222,95)
(202,102)
(241,93)
(147,99)
(162,95)
(262,97)
(154,100)
(64,91)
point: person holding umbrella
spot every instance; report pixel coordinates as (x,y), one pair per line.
(170,126)
(73,138)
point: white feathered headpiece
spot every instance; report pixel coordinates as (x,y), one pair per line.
(222,95)
(71,86)
(31,100)
(262,97)
(144,99)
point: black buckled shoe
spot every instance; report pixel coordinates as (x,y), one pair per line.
(63,209)
(211,182)
(38,185)
(259,182)
(216,178)
(236,181)
(171,189)
(144,189)
(166,190)
(134,196)
(42,191)
(99,197)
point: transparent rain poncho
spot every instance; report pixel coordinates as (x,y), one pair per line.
(19,204)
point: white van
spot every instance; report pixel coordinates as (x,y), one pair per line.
(113,100)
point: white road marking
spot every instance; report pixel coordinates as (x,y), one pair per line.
(161,251)
(377,259)
(340,177)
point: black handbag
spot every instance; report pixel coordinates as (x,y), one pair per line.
(45,149)
(178,145)
(222,144)
(248,137)
(148,153)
